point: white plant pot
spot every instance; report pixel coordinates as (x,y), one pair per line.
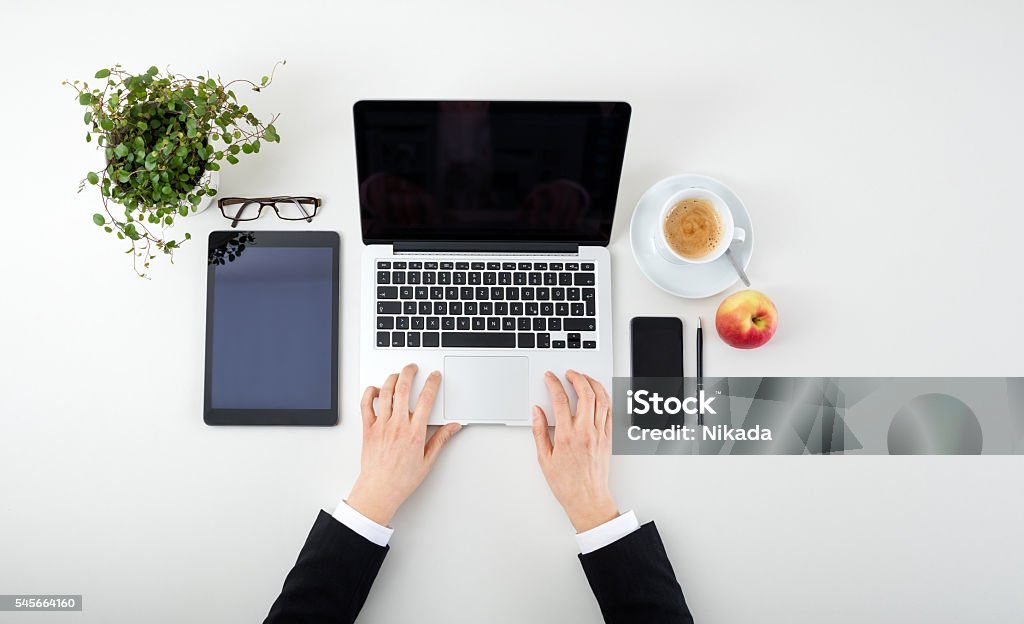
(211,179)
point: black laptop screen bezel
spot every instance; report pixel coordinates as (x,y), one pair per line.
(617,151)
(285,416)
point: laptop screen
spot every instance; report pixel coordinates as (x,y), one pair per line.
(489,171)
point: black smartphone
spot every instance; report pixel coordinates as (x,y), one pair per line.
(657,346)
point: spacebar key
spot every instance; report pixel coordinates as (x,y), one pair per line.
(484,340)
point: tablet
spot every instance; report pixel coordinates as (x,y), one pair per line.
(272,328)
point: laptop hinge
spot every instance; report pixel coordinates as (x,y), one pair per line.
(486,247)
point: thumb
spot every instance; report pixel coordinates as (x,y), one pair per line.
(438,440)
(540,432)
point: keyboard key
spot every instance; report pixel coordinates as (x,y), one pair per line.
(562,309)
(555,324)
(504,278)
(497,293)
(433,322)
(413,277)
(429,278)
(572,294)
(451,292)
(399,265)
(422,292)
(417,322)
(573,337)
(493,323)
(516,308)
(536,279)
(547,308)
(486,308)
(583,279)
(540,266)
(490,278)
(447,266)
(574,344)
(466,293)
(383,339)
(413,339)
(455,308)
(470,308)
(477,266)
(493,266)
(448,322)
(523,266)
(444,278)
(589,344)
(531,308)
(580,324)
(416,265)
(543,341)
(479,324)
(587,266)
(558,344)
(543,293)
(527,293)
(389,307)
(508,266)
(558,294)
(572,266)
(478,340)
(431,339)
(481,293)
(519,278)
(565,279)
(440,308)
(383,277)
(555,266)
(398,339)
(402,322)
(398,277)
(512,293)
(577,309)
(383,264)
(409,308)
(539,323)
(405,292)
(551,279)
(385,322)
(430,266)
(508,323)
(526,341)
(475,279)
(462,322)
(458,278)
(387,292)
(501,308)
(588,294)
(425,308)
(461,266)
(436,292)
(522,324)
(591,309)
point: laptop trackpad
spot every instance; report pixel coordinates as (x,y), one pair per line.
(486,388)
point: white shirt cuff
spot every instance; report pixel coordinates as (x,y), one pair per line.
(379,535)
(611,531)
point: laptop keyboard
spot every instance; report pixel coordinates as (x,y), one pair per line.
(486,304)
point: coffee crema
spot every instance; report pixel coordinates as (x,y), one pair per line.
(692,228)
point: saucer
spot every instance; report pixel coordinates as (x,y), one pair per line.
(692,281)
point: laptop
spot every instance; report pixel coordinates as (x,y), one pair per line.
(486,227)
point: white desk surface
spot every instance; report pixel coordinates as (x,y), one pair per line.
(877,145)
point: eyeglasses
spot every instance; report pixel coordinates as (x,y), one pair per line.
(287,208)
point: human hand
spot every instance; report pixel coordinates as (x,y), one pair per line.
(576,464)
(396,453)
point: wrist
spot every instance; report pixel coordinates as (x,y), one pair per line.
(366,500)
(592,513)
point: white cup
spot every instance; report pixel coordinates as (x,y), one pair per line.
(729,230)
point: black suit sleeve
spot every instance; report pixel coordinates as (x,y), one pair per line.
(634,582)
(332,577)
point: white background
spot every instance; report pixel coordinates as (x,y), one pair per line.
(876,144)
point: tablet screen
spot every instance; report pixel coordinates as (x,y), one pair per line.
(271,345)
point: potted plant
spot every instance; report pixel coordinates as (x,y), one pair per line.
(164,137)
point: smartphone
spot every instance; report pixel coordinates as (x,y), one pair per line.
(656,346)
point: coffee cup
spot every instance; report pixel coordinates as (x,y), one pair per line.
(715,232)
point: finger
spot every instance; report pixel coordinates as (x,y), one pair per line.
(366,406)
(403,388)
(387,397)
(438,440)
(425,402)
(559,400)
(603,408)
(586,399)
(540,433)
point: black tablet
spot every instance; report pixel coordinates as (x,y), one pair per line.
(272,328)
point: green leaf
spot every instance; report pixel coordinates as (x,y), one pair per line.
(106,124)
(232,159)
(152,71)
(93,179)
(263,81)
(88,116)
(103,73)
(85,99)
(121,150)
(211,83)
(98,218)
(188,236)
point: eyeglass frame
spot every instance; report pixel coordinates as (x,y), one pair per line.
(268,201)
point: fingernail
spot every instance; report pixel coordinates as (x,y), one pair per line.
(436,373)
(535,413)
(549,373)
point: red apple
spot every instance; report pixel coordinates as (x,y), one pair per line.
(746,319)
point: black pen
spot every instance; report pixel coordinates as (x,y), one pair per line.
(700,371)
